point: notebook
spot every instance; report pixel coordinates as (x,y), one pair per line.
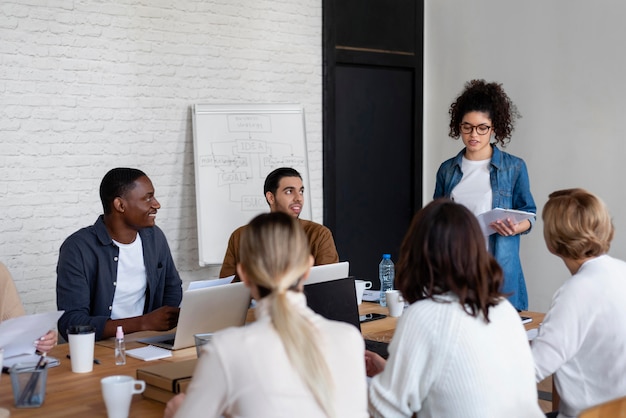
(327,272)
(149,353)
(336,300)
(204,310)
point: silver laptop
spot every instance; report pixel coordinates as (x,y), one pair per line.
(327,272)
(205,310)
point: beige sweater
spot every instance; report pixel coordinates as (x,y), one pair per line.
(10,303)
(320,238)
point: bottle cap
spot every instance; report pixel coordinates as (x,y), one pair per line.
(119,333)
(387,256)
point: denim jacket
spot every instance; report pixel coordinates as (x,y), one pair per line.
(87,273)
(511,190)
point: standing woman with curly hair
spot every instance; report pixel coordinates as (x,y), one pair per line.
(482,177)
(290,362)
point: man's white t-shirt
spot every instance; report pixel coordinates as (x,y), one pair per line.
(130,286)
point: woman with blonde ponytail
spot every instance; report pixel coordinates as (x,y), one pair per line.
(290,362)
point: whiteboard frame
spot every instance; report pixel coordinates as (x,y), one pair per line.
(201,116)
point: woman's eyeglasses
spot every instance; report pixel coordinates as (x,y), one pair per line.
(481,129)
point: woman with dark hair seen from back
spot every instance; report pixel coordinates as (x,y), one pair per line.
(290,362)
(459,349)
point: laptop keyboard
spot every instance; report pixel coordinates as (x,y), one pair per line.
(378,347)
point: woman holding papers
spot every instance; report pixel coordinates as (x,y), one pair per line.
(582,340)
(11,307)
(460,349)
(290,362)
(482,177)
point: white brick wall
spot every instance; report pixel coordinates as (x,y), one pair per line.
(88,86)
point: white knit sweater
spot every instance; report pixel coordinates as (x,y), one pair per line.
(446,363)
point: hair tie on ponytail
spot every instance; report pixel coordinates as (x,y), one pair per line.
(264,291)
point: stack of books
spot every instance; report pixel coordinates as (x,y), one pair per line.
(166,379)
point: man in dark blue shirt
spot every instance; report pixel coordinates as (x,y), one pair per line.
(119,271)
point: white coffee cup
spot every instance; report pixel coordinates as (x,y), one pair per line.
(117,392)
(395,302)
(360,286)
(82,340)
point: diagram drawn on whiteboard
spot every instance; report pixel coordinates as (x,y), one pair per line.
(235,147)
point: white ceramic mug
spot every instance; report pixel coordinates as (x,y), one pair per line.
(117,392)
(360,286)
(82,339)
(395,302)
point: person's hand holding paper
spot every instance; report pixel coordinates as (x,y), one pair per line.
(18,334)
(489,221)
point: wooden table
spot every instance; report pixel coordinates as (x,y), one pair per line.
(383,329)
(379,329)
(70,395)
(78,394)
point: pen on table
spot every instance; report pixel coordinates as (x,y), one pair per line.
(95,361)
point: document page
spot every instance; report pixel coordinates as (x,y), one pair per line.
(486,218)
(17,335)
(201,284)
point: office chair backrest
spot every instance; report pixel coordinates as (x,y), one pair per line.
(613,409)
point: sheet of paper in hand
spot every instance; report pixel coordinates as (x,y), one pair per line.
(18,334)
(486,218)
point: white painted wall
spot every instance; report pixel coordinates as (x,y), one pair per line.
(86,86)
(562,63)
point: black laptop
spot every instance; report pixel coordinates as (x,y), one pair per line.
(336,300)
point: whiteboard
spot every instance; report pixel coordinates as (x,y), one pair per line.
(235,147)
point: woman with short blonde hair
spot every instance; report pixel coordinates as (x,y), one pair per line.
(582,339)
(577,224)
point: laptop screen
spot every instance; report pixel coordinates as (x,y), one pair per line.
(335,299)
(326,272)
(204,310)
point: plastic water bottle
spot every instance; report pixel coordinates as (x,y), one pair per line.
(120,347)
(386,274)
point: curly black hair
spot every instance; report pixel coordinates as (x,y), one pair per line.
(490,98)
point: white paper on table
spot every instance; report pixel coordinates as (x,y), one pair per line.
(370,295)
(486,218)
(17,335)
(29,358)
(201,284)
(149,353)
